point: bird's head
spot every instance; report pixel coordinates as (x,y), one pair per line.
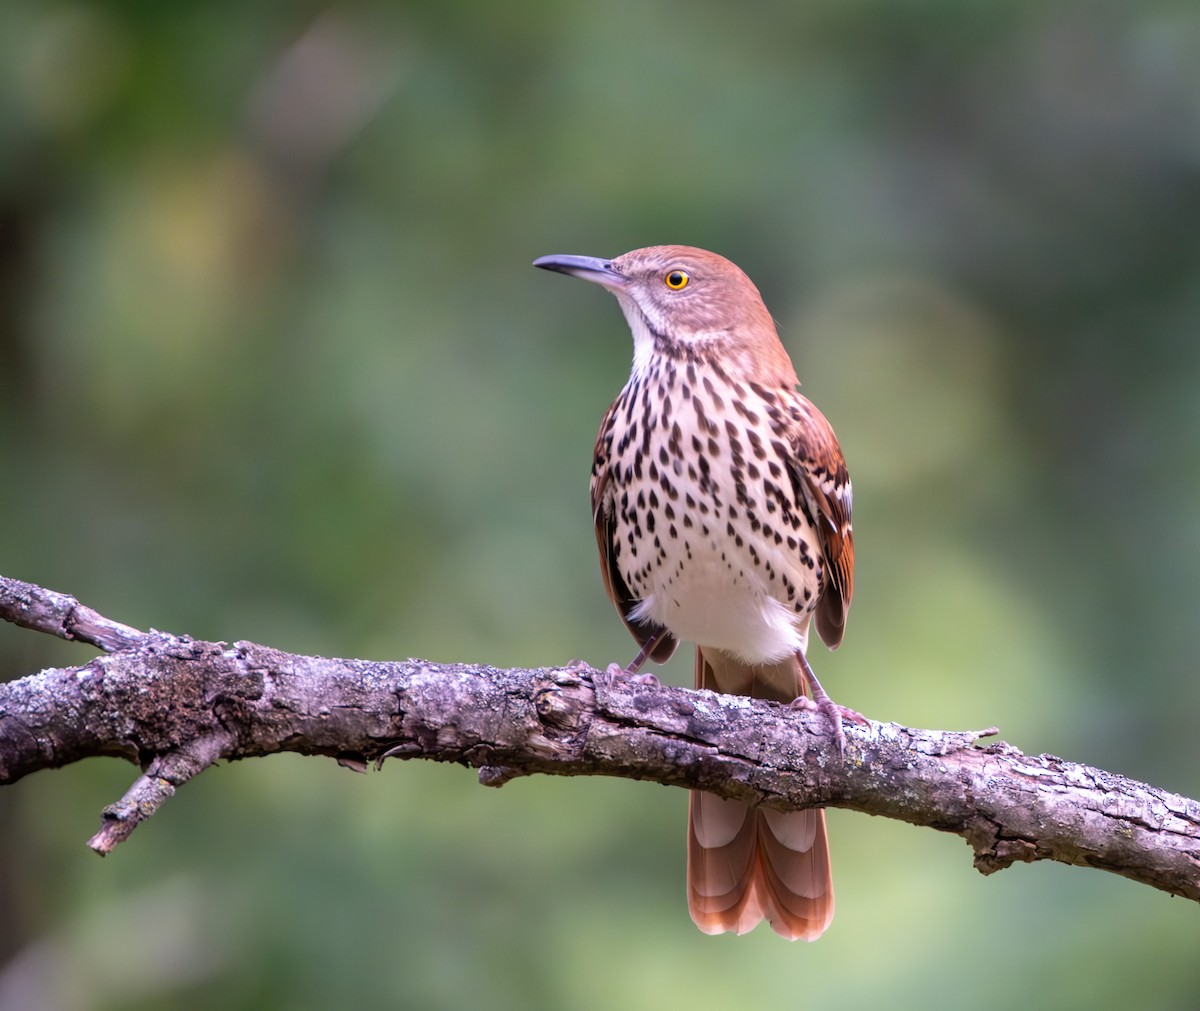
(680,300)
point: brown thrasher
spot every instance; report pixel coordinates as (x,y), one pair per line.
(722,511)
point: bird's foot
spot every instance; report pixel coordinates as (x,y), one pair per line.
(604,678)
(832,712)
(822,703)
(615,670)
(853,715)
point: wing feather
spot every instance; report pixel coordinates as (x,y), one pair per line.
(823,486)
(603,516)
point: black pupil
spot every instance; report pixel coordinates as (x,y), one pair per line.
(675,279)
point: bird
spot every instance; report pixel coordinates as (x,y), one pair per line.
(722,512)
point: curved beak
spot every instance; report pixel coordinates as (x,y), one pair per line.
(590,268)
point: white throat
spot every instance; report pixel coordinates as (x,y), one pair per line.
(641,320)
(643,337)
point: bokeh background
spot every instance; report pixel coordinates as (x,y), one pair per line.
(274,366)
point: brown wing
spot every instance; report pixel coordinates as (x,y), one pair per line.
(823,486)
(603,515)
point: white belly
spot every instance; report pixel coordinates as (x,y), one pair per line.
(734,613)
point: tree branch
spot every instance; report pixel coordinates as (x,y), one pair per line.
(175,705)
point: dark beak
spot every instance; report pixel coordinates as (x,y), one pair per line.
(590,268)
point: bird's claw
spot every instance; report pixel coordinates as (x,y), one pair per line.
(854,716)
(615,670)
(834,714)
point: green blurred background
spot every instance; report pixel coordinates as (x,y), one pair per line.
(274,366)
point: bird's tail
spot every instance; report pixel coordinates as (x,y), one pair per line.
(748,864)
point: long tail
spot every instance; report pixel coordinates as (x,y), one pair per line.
(748,864)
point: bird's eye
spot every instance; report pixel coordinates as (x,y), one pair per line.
(676,280)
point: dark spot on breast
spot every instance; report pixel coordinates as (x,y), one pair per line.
(717,399)
(702,419)
(763,393)
(743,410)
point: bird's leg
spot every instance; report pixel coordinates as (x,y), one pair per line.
(824,704)
(635,665)
(643,654)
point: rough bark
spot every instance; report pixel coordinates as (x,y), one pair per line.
(174,706)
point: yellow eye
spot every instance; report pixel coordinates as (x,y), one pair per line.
(676,280)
